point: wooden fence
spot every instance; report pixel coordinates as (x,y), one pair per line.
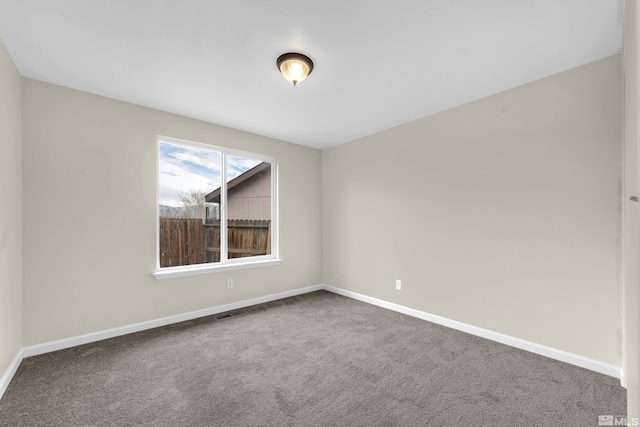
(181,242)
(186,241)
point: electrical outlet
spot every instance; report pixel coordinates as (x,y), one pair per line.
(229,283)
(398,284)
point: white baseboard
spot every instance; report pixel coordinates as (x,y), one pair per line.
(48,347)
(552,353)
(10,372)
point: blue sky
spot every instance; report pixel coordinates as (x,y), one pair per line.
(184,168)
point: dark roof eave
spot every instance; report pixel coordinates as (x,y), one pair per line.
(214,196)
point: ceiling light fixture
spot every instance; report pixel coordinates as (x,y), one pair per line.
(295,67)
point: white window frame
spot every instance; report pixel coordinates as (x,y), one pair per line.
(225,264)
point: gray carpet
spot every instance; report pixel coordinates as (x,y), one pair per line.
(314,360)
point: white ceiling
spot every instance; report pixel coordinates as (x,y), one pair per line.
(378,63)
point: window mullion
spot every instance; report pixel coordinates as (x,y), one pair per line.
(224,253)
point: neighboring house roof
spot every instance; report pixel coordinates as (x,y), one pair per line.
(214,196)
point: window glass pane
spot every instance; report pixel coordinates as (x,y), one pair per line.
(188,208)
(248,207)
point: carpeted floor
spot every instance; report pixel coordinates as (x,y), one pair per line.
(318,359)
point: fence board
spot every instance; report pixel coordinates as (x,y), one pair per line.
(181,242)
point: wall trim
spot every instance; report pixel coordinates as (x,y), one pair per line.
(552,353)
(563,356)
(35,350)
(10,372)
(48,347)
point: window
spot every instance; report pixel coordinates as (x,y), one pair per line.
(216,209)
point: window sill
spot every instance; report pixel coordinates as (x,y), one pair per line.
(173,272)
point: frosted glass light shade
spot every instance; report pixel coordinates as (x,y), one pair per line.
(295,67)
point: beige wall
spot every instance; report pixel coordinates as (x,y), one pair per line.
(90,208)
(502,213)
(10,212)
(631,325)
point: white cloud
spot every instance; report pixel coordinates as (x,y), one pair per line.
(184,168)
